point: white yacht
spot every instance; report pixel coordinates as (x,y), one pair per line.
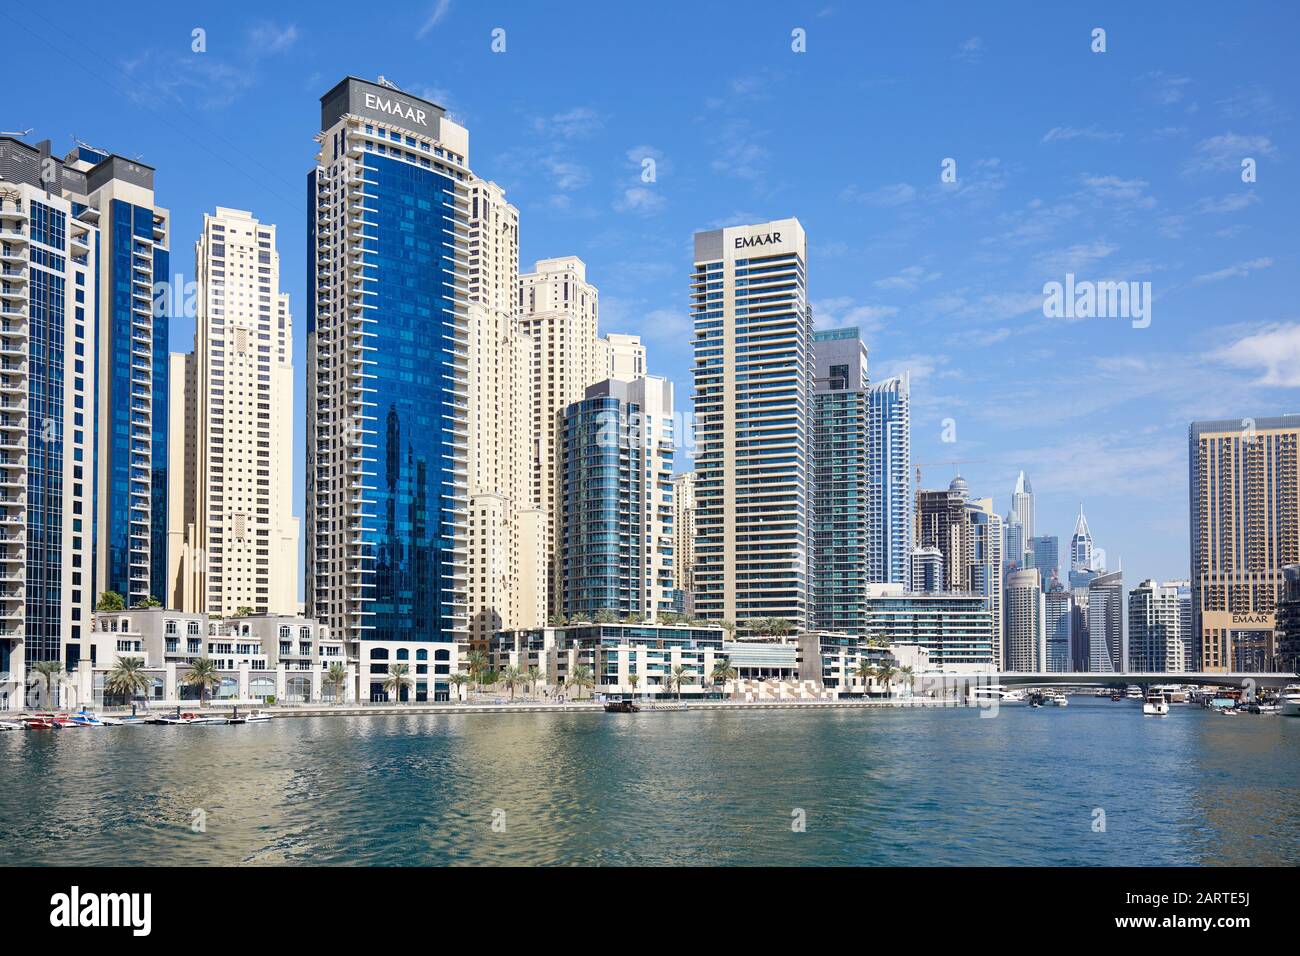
(1155,704)
(998,692)
(1290,701)
(1056,698)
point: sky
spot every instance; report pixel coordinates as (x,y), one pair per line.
(1122,164)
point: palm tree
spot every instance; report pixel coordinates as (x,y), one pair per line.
(203,674)
(512,676)
(152,601)
(909,676)
(866,670)
(724,672)
(533,675)
(477,662)
(676,678)
(397,680)
(582,678)
(778,626)
(49,671)
(336,677)
(110,601)
(885,671)
(633,679)
(729,627)
(458,680)
(128,678)
(606,616)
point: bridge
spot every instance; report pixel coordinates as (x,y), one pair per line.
(1246,680)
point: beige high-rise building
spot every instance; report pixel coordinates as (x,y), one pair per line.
(557,311)
(506,580)
(684,531)
(232,534)
(625,359)
(1244,486)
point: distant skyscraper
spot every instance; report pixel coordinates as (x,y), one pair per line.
(234,539)
(1081,545)
(1106,620)
(940,519)
(1155,638)
(51,285)
(387,375)
(927,570)
(1046,551)
(1245,527)
(753,396)
(842,536)
(1024,634)
(558,312)
(1059,611)
(1014,536)
(890,522)
(1022,503)
(617,500)
(684,532)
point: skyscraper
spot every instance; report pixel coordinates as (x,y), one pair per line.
(1155,638)
(131,352)
(940,518)
(558,312)
(1059,627)
(233,536)
(387,374)
(753,391)
(927,571)
(1046,551)
(51,246)
(890,523)
(983,562)
(842,536)
(1107,644)
(1081,557)
(506,530)
(1025,636)
(684,532)
(1022,503)
(617,468)
(1014,538)
(1244,489)
(625,357)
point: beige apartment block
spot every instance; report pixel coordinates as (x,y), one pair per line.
(1244,501)
(506,584)
(684,531)
(625,357)
(558,312)
(231,452)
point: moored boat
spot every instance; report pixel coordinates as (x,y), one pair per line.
(1289,701)
(1155,704)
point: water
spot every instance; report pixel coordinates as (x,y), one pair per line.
(876,787)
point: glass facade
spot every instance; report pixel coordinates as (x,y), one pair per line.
(409,443)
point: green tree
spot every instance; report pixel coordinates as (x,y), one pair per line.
(512,677)
(633,679)
(679,676)
(606,616)
(336,677)
(150,601)
(458,680)
(866,670)
(110,601)
(582,678)
(203,675)
(477,663)
(533,675)
(723,672)
(244,611)
(128,678)
(729,627)
(885,672)
(397,680)
(49,672)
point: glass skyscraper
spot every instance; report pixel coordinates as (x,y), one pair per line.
(890,519)
(387,332)
(753,392)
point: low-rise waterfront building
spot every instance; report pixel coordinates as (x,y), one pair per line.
(955,628)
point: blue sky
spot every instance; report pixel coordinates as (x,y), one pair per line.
(1123,165)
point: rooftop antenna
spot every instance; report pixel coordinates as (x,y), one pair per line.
(84,144)
(383,81)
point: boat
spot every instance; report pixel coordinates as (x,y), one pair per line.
(1265,707)
(10,725)
(41,722)
(86,719)
(1155,705)
(621,707)
(998,692)
(1289,701)
(258,716)
(1134,693)
(1116,697)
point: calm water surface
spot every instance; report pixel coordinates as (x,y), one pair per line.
(876,786)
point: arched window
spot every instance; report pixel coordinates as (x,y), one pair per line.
(403,654)
(379,653)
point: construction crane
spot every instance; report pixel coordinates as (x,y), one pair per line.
(951,461)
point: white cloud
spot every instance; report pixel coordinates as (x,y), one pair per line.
(1225,152)
(269,38)
(1240,270)
(435,16)
(895,194)
(907,279)
(1274,350)
(841,311)
(1058,134)
(1232,202)
(640,199)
